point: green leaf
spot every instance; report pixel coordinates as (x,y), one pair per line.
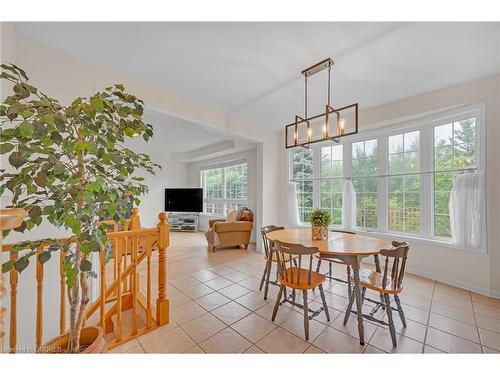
(16,159)
(7,266)
(85,265)
(44,257)
(26,129)
(21,264)
(6,147)
(96,103)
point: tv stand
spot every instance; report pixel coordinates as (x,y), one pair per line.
(183,222)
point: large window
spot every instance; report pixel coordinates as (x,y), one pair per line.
(331,184)
(404,186)
(364,170)
(402,175)
(225,187)
(454,149)
(303,172)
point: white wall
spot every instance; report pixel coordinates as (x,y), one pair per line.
(478,272)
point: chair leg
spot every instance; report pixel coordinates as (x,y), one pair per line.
(363,292)
(318,265)
(392,329)
(349,307)
(349,287)
(277,304)
(293,296)
(330,271)
(400,310)
(325,306)
(263,279)
(267,280)
(306,314)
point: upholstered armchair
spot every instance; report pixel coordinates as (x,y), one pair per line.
(232,233)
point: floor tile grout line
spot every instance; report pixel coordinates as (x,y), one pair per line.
(477,326)
(428,318)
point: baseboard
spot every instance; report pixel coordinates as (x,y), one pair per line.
(457,283)
(449,281)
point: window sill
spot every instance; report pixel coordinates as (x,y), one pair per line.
(404,236)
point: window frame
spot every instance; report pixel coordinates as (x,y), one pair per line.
(222,201)
(425,124)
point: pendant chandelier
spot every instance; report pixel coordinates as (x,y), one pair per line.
(330,125)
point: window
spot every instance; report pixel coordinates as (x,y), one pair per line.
(364,168)
(404,187)
(331,184)
(399,187)
(303,170)
(225,187)
(454,148)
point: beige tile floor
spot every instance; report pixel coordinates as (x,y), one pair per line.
(216,307)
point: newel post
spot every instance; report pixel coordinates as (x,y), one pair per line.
(162,305)
(135,220)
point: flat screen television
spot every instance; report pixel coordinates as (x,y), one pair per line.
(184,200)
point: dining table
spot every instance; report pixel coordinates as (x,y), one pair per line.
(349,248)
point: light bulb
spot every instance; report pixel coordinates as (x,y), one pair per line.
(309,134)
(341,127)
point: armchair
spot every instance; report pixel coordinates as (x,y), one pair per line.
(233,233)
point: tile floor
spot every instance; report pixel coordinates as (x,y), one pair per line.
(216,307)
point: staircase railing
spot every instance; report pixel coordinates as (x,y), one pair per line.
(119,284)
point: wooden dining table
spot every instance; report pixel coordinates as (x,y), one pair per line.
(346,247)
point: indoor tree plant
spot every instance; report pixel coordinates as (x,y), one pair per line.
(320,220)
(69,166)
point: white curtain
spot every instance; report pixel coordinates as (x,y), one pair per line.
(349,206)
(466,210)
(293,210)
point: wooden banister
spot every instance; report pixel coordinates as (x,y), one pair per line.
(129,248)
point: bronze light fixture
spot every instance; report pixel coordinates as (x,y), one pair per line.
(331,125)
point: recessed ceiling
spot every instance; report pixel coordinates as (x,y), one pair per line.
(253,69)
(174,135)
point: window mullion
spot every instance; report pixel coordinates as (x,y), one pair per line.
(426,181)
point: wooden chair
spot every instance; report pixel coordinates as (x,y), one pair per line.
(297,278)
(329,274)
(270,255)
(388,283)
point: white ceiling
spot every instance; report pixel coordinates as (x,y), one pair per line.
(253,69)
(173,135)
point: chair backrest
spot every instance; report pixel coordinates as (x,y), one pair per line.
(288,253)
(266,230)
(398,254)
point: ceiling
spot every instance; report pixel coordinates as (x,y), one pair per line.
(253,69)
(180,136)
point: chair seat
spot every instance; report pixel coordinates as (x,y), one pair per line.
(373,280)
(286,279)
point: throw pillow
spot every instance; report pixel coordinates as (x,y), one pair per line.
(231,216)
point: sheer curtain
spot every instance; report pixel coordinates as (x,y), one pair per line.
(349,206)
(293,210)
(466,210)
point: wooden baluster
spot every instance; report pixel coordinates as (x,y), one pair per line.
(102,285)
(134,286)
(39,298)
(149,244)
(125,244)
(119,249)
(162,305)
(13,304)
(62,297)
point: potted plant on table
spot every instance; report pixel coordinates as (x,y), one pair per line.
(320,220)
(69,166)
